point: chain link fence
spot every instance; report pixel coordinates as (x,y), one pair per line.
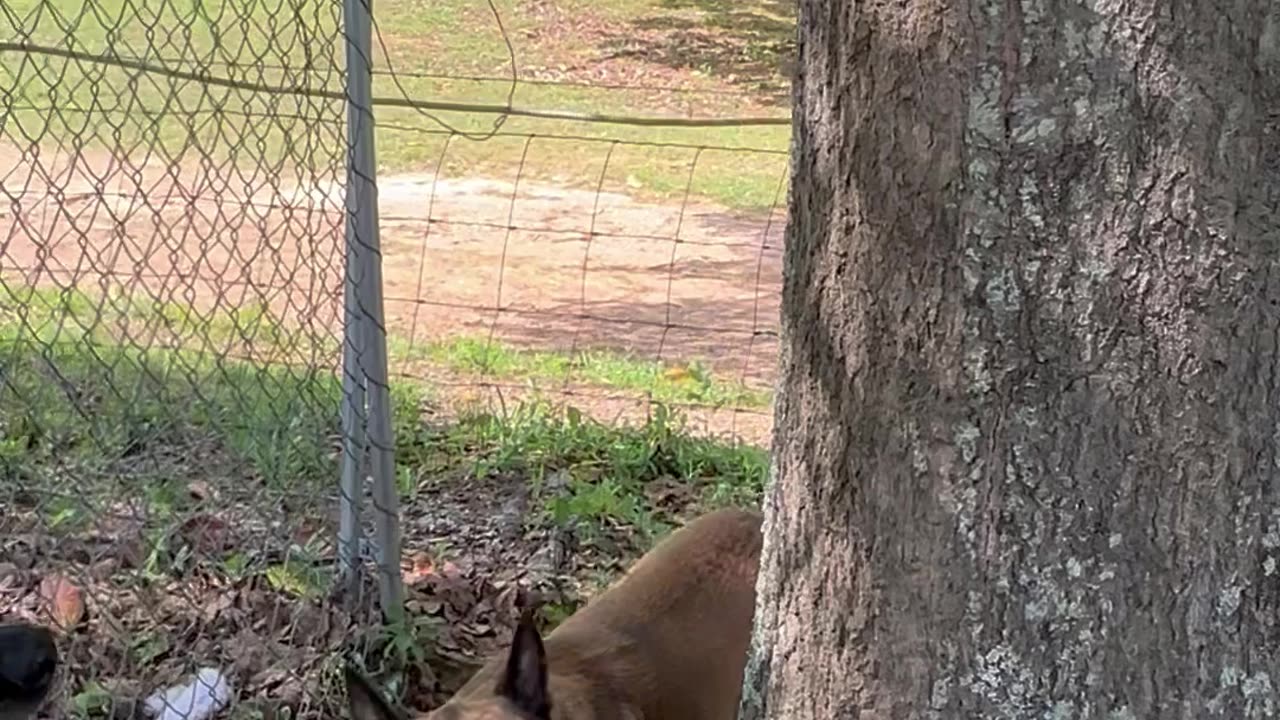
(206,296)
(189,224)
(514,287)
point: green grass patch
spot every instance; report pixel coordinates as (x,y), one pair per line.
(101,402)
(76,406)
(91,406)
(690,382)
(716,49)
(593,472)
(730,58)
(52,317)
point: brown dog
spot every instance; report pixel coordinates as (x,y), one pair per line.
(666,642)
(28,661)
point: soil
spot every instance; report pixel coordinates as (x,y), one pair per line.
(538,267)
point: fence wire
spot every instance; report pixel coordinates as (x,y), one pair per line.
(178,399)
(499,289)
(171,306)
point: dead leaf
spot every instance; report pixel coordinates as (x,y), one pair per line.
(63,601)
(132,551)
(420,569)
(216,605)
(104,568)
(206,534)
(10,575)
(678,373)
(306,532)
(199,490)
(309,624)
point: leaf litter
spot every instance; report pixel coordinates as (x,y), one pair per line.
(144,602)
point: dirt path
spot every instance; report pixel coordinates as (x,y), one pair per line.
(544,267)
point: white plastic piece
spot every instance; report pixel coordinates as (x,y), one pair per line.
(199,699)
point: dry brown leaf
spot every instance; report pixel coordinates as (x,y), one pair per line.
(420,569)
(199,490)
(63,601)
(132,551)
(206,534)
(677,373)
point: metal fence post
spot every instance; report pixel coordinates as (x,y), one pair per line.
(364,249)
(351,491)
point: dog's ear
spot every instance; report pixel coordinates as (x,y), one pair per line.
(363,699)
(524,681)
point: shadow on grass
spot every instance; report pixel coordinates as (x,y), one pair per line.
(748,43)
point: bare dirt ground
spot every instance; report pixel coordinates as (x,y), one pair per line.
(542,267)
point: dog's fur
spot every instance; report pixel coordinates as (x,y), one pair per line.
(666,642)
(28,662)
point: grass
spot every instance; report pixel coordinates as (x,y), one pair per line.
(88,426)
(53,316)
(589,472)
(689,382)
(92,406)
(252,331)
(75,403)
(730,59)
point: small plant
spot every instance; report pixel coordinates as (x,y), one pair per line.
(299,575)
(593,502)
(406,644)
(92,700)
(146,646)
(236,566)
(556,613)
(406,482)
(64,513)
(164,558)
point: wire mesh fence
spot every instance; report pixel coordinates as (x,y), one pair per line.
(172,358)
(512,286)
(615,264)
(209,289)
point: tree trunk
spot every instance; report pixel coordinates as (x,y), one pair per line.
(1027,456)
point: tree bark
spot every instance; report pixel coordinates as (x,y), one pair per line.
(1027,449)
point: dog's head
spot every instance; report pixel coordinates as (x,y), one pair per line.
(28,662)
(520,693)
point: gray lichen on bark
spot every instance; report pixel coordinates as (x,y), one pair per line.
(766,623)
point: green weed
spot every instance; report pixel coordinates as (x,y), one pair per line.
(93,700)
(298,578)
